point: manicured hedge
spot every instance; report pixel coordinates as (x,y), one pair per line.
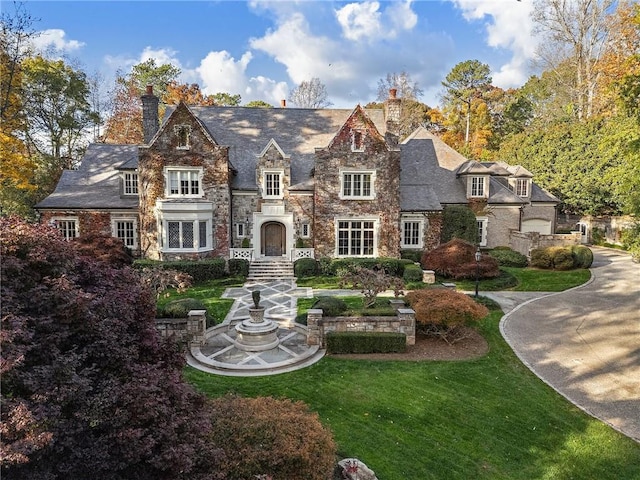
(180,307)
(239,267)
(506,257)
(413,255)
(200,270)
(391,266)
(366,342)
(331,306)
(562,258)
(412,273)
(305,267)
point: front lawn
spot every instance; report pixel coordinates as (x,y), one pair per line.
(489,418)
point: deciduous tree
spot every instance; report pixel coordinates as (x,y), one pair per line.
(406,87)
(310,94)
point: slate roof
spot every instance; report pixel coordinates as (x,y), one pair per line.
(96,183)
(298,132)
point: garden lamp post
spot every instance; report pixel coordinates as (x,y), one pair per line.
(478,257)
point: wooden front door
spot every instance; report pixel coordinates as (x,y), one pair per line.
(273,239)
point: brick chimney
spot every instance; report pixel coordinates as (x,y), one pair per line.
(150,120)
(283,103)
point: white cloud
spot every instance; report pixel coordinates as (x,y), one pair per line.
(220,72)
(509,27)
(365,21)
(55,39)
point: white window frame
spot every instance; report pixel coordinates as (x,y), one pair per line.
(477,187)
(305,230)
(195,222)
(351,238)
(522,187)
(134,238)
(482,224)
(420,231)
(191,174)
(347,180)
(267,185)
(130,183)
(241,230)
(61,224)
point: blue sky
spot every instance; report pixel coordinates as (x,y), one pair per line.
(263,49)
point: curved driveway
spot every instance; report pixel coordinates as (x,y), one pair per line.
(585,342)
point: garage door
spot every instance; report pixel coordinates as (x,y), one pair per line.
(537,225)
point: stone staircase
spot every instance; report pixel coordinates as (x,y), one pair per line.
(265,269)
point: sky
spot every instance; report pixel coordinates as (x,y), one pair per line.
(264,49)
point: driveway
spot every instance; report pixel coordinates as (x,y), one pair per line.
(585,342)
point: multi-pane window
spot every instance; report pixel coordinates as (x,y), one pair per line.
(130,182)
(240,233)
(482,231)
(187,235)
(125,230)
(477,186)
(522,187)
(67,227)
(183,183)
(357,185)
(411,234)
(355,237)
(272,186)
(305,230)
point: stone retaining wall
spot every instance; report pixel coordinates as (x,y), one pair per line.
(318,326)
(525,242)
(190,329)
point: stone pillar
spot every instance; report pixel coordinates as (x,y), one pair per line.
(428,276)
(314,327)
(407,317)
(196,326)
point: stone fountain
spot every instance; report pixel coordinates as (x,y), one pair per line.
(256,333)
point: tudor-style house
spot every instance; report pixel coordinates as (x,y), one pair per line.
(336,180)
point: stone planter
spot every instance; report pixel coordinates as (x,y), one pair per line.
(256,314)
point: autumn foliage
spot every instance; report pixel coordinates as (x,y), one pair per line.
(445,313)
(89,390)
(456,260)
(272,438)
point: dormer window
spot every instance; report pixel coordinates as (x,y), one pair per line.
(357,141)
(478,187)
(272,184)
(522,187)
(183,134)
(130,183)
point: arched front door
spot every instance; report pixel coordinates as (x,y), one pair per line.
(273,239)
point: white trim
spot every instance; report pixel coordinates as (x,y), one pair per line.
(376,228)
(55,221)
(185,212)
(304,234)
(167,171)
(260,218)
(133,185)
(485,224)
(420,222)
(280,173)
(114,229)
(372,182)
(485,186)
(241,226)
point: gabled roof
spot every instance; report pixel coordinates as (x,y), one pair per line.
(359,119)
(96,183)
(273,143)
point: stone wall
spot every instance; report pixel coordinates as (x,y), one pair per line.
(525,242)
(501,221)
(318,326)
(191,329)
(385,207)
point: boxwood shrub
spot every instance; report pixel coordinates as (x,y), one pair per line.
(331,306)
(582,255)
(239,267)
(366,342)
(412,273)
(507,257)
(391,266)
(305,267)
(562,258)
(413,255)
(180,307)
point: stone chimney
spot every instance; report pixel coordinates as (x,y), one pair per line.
(150,120)
(392,111)
(283,103)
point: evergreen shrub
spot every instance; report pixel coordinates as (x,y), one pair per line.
(541,258)
(305,267)
(412,273)
(413,255)
(180,307)
(582,255)
(239,267)
(199,270)
(562,258)
(331,306)
(459,221)
(326,267)
(366,342)
(507,257)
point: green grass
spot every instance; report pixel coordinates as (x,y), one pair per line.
(529,280)
(489,418)
(209,293)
